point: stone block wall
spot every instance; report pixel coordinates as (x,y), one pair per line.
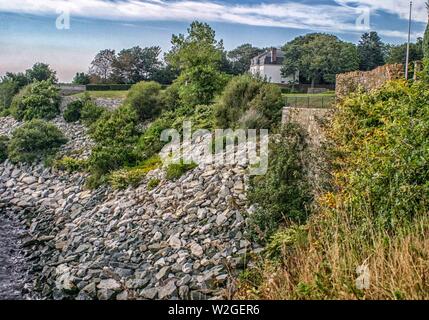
(367,80)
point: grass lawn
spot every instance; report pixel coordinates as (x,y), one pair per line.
(106,94)
(302,100)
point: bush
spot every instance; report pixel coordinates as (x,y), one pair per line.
(124,178)
(282,196)
(4,141)
(39,100)
(248,101)
(35,140)
(90,113)
(70,165)
(108,87)
(176,170)
(8,89)
(145,98)
(72,113)
(153,183)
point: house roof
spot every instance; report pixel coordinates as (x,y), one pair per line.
(266,58)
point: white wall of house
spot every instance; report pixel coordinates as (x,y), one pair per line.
(272,73)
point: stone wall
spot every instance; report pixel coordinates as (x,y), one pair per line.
(108,103)
(310,119)
(369,80)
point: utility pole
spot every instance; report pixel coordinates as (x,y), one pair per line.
(408,43)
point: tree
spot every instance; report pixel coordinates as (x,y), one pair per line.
(81,78)
(166,74)
(397,54)
(426,38)
(41,72)
(198,56)
(102,65)
(241,58)
(319,57)
(371,51)
(136,64)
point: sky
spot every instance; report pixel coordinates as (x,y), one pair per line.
(67,34)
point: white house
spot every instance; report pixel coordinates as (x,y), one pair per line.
(268,65)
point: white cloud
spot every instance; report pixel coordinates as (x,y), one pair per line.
(339,17)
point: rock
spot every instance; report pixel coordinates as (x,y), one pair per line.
(168,290)
(149,293)
(109,284)
(175,242)
(29,180)
(221,219)
(196,249)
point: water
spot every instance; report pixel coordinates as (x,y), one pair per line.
(12,262)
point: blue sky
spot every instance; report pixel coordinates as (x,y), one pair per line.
(28,31)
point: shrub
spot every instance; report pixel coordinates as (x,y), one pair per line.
(246,93)
(153,183)
(107,87)
(171,98)
(145,98)
(8,89)
(4,141)
(70,164)
(176,170)
(90,113)
(72,113)
(124,178)
(39,100)
(282,195)
(35,140)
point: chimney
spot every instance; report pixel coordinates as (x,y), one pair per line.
(273,55)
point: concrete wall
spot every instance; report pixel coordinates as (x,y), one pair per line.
(370,80)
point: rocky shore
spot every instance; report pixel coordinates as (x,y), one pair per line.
(182,240)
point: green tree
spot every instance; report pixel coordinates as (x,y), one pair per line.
(241,58)
(102,65)
(198,56)
(371,51)
(397,54)
(319,57)
(81,78)
(136,64)
(426,38)
(41,72)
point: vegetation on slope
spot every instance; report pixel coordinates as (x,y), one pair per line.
(368,238)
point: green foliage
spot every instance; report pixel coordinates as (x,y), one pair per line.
(371,51)
(72,113)
(4,141)
(124,178)
(8,89)
(241,58)
(70,165)
(285,240)
(153,183)
(426,39)
(202,117)
(282,196)
(398,53)
(145,98)
(384,137)
(35,140)
(108,87)
(176,170)
(81,78)
(249,103)
(90,113)
(39,100)
(198,56)
(319,57)
(41,72)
